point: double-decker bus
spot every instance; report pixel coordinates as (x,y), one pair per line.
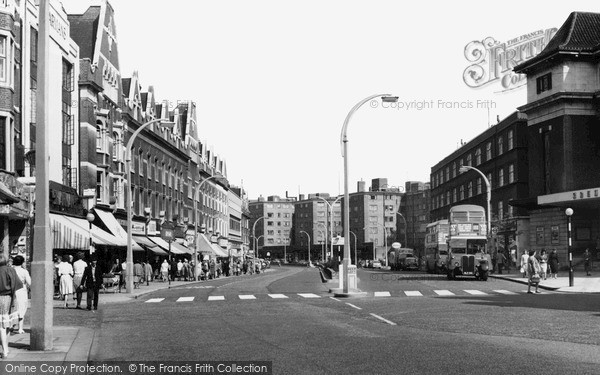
(436,246)
(467,239)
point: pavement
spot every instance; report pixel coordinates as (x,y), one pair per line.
(581,282)
(72,344)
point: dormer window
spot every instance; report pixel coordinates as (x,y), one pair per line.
(544,83)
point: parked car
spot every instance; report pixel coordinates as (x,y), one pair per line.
(410,263)
(375,264)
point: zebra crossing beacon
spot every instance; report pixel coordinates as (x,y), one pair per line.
(467,240)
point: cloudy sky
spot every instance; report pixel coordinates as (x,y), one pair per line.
(274,80)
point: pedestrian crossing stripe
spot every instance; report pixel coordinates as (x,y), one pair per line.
(382,294)
(413,293)
(476,292)
(155,300)
(506,292)
(444,293)
(246,296)
(185,299)
(308,295)
(216,298)
(278,296)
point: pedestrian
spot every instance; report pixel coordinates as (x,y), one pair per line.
(173,269)
(213,269)
(587,262)
(533,272)
(164,270)
(544,264)
(92,282)
(65,277)
(9,284)
(245,267)
(524,260)
(501,260)
(179,273)
(138,274)
(185,271)
(21,295)
(57,262)
(124,273)
(148,272)
(553,263)
(116,270)
(78,268)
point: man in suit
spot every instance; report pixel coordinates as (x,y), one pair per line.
(92,281)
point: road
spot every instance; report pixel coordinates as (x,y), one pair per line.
(426,324)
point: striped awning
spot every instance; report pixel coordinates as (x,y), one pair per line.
(175,247)
(67,235)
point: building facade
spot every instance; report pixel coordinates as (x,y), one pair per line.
(271,224)
(501,154)
(415,209)
(563,87)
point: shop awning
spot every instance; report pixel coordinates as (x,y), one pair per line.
(175,247)
(205,246)
(66,235)
(219,250)
(145,241)
(115,228)
(181,247)
(99,236)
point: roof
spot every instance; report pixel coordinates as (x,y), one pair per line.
(579,34)
(83,29)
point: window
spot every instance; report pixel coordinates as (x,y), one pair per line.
(3,143)
(373,207)
(453,170)
(501,177)
(478,156)
(489,177)
(67,76)
(544,83)
(511,173)
(479,182)
(462,192)
(3,58)
(510,211)
(468,159)
(470,189)
(447,174)
(510,140)
(448,197)
(454,196)
(488,151)
(500,210)
(500,145)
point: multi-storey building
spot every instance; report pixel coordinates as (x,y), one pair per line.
(312,215)
(271,224)
(238,228)
(373,218)
(564,137)
(501,154)
(415,215)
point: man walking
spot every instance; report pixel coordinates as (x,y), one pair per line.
(92,282)
(78,268)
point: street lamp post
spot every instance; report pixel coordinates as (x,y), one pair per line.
(255,244)
(569,213)
(344,141)
(464,168)
(330,219)
(90,218)
(197,237)
(129,202)
(405,228)
(308,250)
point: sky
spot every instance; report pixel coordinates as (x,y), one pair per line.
(274,80)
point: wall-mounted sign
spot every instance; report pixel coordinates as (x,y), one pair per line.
(570,196)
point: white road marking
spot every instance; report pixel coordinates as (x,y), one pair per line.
(413,293)
(246,296)
(335,299)
(351,305)
(507,292)
(185,299)
(278,296)
(216,298)
(308,295)
(444,293)
(476,292)
(382,294)
(383,319)
(155,300)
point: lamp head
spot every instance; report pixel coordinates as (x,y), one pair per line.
(90,217)
(569,211)
(463,169)
(389,99)
(167,124)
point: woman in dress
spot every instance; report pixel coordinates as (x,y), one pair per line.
(9,284)
(544,264)
(533,268)
(164,270)
(553,263)
(65,277)
(21,296)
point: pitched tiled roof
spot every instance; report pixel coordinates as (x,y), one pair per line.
(83,29)
(126,83)
(580,33)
